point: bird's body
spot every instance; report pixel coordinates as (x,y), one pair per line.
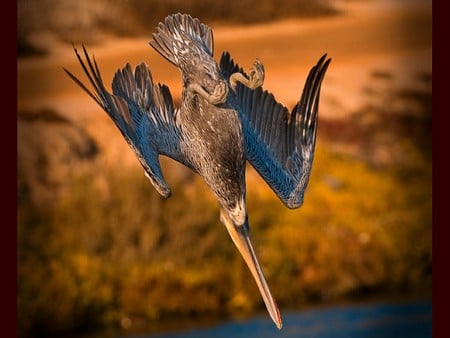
(224,120)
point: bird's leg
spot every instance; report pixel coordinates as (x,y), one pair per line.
(218,96)
(255,77)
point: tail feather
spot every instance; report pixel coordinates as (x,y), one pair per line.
(181,32)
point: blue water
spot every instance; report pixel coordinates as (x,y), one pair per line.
(412,320)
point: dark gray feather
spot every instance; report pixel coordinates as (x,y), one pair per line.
(280,145)
(143,112)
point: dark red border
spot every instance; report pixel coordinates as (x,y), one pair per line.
(8,163)
(441,171)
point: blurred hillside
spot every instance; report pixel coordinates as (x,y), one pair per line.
(73,21)
(98,247)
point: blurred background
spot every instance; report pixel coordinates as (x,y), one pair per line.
(99,248)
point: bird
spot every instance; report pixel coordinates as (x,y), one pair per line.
(225,119)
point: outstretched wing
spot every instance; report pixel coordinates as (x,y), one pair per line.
(280,144)
(143,112)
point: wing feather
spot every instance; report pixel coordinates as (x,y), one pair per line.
(280,145)
(143,112)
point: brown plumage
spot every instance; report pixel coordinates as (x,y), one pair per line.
(225,119)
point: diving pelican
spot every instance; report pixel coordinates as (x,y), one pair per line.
(225,119)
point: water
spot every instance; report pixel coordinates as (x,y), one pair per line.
(412,320)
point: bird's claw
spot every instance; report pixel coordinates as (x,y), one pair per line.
(220,94)
(255,77)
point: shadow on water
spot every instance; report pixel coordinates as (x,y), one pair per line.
(407,319)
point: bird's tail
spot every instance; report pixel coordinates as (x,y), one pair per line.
(179,34)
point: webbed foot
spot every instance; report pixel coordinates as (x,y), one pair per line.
(255,77)
(218,96)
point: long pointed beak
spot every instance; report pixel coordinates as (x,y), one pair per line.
(241,238)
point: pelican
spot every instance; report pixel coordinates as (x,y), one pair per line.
(225,119)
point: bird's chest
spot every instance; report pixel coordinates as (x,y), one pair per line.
(215,134)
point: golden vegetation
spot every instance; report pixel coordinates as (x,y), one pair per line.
(102,253)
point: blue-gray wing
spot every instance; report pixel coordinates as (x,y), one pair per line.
(280,144)
(143,112)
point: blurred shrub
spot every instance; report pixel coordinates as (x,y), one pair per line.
(104,254)
(109,248)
